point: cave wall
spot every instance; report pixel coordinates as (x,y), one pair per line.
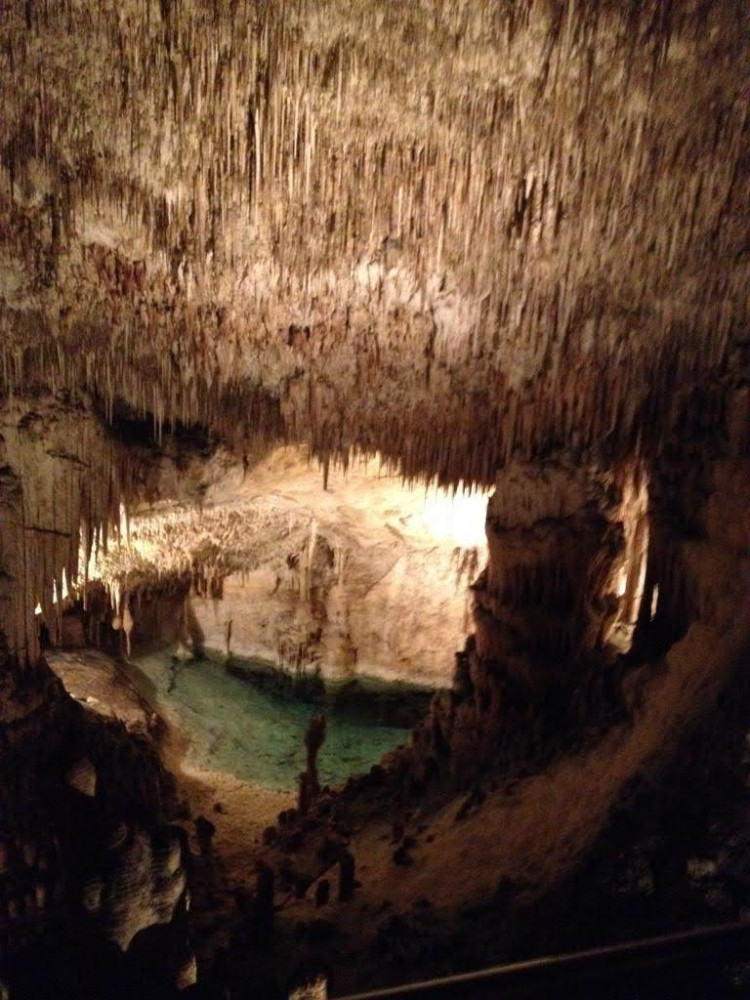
(539,664)
(396,610)
(391,612)
(555,538)
(85,841)
(63,482)
(700,557)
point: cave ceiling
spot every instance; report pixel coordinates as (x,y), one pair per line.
(448,230)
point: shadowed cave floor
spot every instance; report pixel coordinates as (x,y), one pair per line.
(445,908)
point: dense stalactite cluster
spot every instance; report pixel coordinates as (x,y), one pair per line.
(205,546)
(68,486)
(450,231)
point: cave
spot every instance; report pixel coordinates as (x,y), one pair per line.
(374,499)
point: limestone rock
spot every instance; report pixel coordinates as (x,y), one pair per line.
(82,777)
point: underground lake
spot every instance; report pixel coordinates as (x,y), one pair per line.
(237,718)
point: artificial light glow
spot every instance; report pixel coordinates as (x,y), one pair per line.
(629,580)
(457,517)
(63,588)
(250,523)
(654,601)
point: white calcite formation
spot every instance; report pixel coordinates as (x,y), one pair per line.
(62,482)
(363,578)
(450,232)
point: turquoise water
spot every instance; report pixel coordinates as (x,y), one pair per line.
(236,727)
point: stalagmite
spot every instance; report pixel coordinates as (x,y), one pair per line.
(127,626)
(314,738)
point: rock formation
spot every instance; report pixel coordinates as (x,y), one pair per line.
(497,244)
(547,595)
(364,578)
(507,247)
(84,804)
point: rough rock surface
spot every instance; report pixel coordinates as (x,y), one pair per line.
(442,231)
(85,844)
(94,680)
(83,803)
(555,539)
(365,577)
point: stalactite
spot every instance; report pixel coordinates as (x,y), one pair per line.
(72,483)
(463,234)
